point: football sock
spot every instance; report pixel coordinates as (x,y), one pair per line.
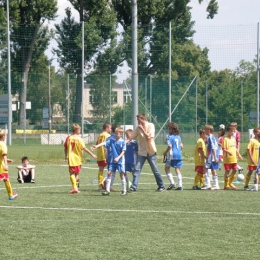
(196,179)
(256,186)
(100,178)
(123,182)
(170,177)
(179,178)
(112,180)
(215,180)
(126,178)
(201,180)
(207,179)
(73,181)
(8,188)
(231,178)
(226,181)
(108,183)
(247,180)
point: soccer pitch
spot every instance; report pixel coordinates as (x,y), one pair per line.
(45,222)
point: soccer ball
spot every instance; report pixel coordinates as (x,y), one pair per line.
(240,177)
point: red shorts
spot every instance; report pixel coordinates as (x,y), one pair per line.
(102,163)
(251,168)
(199,169)
(4,176)
(74,169)
(230,166)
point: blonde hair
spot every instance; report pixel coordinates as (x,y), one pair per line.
(2,132)
(119,129)
(209,127)
(75,127)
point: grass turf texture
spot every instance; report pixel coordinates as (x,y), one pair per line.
(45,222)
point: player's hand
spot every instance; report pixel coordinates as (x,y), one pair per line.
(6,168)
(116,159)
(93,147)
(10,161)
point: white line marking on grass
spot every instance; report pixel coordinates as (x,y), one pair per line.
(136,211)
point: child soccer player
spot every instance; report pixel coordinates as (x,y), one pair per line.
(101,157)
(212,160)
(116,149)
(73,148)
(131,154)
(230,153)
(4,176)
(200,157)
(112,136)
(221,133)
(26,171)
(167,160)
(175,145)
(252,156)
(257,172)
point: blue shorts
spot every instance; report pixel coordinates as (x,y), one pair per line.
(129,168)
(176,163)
(113,167)
(212,165)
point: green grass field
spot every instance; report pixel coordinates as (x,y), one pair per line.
(45,222)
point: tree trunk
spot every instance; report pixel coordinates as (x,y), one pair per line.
(26,61)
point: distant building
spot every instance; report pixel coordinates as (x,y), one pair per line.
(120,95)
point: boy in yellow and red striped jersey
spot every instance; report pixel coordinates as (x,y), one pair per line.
(4,176)
(73,148)
(101,156)
(230,154)
(200,157)
(252,156)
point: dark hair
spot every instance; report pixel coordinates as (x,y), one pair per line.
(113,128)
(24,158)
(105,125)
(174,127)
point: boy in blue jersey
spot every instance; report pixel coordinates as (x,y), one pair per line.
(116,161)
(212,159)
(175,146)
(130,155)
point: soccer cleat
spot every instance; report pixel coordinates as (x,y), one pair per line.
(253,189)
(131,190)
(74,191)
(215,188)
(246,188)
(32,181)
(196,188)
(13,197)
(106,193)
(227,188)
(123,192)
(206,188)
(172,186)
(160,189)
(112,190)
(179,188)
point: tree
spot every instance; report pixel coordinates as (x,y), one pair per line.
(27,27)
(100,32)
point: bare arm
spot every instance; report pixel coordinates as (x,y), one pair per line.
(119,156)
(89,152)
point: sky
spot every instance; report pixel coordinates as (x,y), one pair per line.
(230,37)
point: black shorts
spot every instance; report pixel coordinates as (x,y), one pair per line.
(26,178)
